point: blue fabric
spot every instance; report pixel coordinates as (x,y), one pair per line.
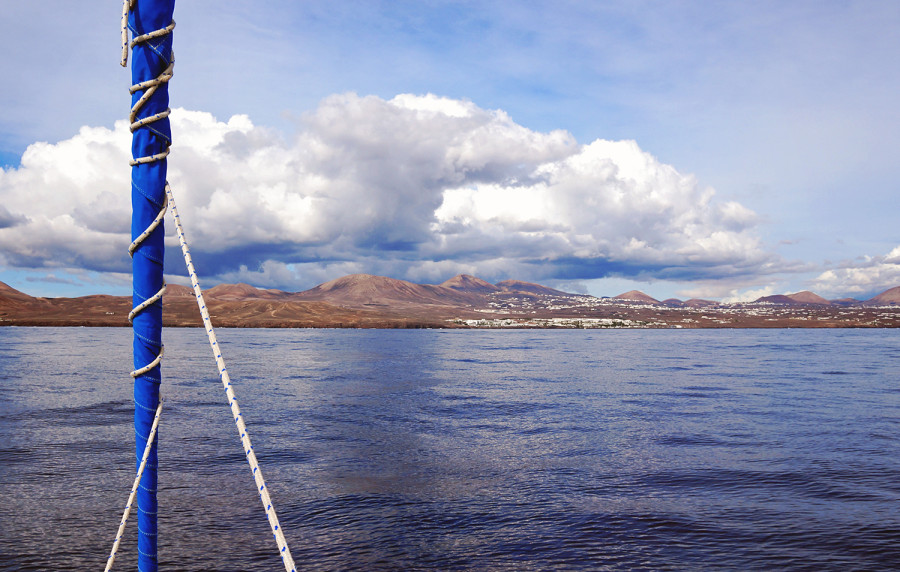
(148,180)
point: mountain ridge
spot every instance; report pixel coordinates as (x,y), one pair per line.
(365,300)
(460,284)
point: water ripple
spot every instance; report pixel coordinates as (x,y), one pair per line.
(449,450)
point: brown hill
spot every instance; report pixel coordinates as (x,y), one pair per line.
(264,313)
(672,303)
(886,298)
(636,296)
(96,310)
(798,299)
(517,286)
(180,309)
(358,290)
(466,283)
(807,297)
(9,293)
(179,291)
(699,303)
(242,291)
(13,302)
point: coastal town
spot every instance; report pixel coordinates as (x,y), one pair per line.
(582,312)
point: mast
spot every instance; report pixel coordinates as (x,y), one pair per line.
(151,24)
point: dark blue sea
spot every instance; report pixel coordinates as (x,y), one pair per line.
(464,450)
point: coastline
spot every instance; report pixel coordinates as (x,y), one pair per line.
(361,301)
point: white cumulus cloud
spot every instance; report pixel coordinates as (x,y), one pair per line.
(418,187)
(869,276)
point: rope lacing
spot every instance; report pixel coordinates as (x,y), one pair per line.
(149,87)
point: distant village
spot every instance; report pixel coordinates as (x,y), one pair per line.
(637,310)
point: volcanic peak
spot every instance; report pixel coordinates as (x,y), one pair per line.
(467,283)
(797,299)
(807,297)
(367,289)
(529,288)
(637,296)
(9,292)
(888,297)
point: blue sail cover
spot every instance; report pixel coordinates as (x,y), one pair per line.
(148,60)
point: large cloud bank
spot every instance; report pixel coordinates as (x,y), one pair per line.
(418,187)
(868,276)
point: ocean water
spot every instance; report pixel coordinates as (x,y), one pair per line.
(464,450)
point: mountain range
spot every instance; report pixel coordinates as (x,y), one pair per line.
(370,290)
(363,300)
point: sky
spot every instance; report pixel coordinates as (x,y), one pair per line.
(725,150)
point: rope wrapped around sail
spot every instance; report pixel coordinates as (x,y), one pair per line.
(148,89)
(150,23)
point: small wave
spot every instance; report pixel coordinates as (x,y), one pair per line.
(689,440)
(92,415)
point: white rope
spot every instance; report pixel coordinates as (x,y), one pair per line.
(156,361)
(159,218)
(126,7)
(137,309)
(134,488)
(229,391)
(149,158)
